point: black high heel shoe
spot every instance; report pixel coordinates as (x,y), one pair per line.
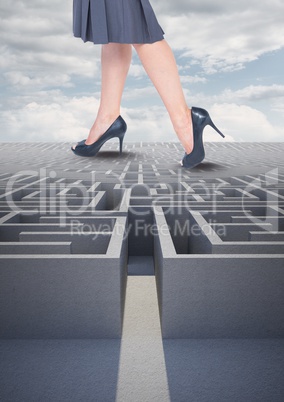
(200,119)
(117,129)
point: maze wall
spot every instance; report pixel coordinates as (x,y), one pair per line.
(71,227)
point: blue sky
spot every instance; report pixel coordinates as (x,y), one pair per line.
(230,57)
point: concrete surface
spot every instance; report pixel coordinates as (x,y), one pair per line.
(239,186)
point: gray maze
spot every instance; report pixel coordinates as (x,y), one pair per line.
(72,229)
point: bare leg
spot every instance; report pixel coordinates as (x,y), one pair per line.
(115,63)
(159,63)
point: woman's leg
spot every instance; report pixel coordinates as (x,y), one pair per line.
(159,63)
(115,63)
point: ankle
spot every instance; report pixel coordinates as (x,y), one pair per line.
(101,124)
(183,128)
(104,118)
(182,121)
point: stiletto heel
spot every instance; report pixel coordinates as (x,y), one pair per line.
(117,129)
(200,119)
(215,128)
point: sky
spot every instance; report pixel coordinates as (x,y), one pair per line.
(230,56)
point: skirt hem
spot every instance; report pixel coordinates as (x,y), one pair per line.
(118,41)
(122,21)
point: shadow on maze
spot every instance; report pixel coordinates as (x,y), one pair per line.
(225,370)
(102,155)
(59,370)
(208,166)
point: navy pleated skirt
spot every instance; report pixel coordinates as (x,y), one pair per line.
(120,21)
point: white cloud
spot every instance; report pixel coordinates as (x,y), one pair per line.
(59,118)
(44,66)
(190,79)
(223,35)
(146,92)
(69,119)
(17,78)
(64,120)
(137,71)
(243,123)
(36,38)
(254,93)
